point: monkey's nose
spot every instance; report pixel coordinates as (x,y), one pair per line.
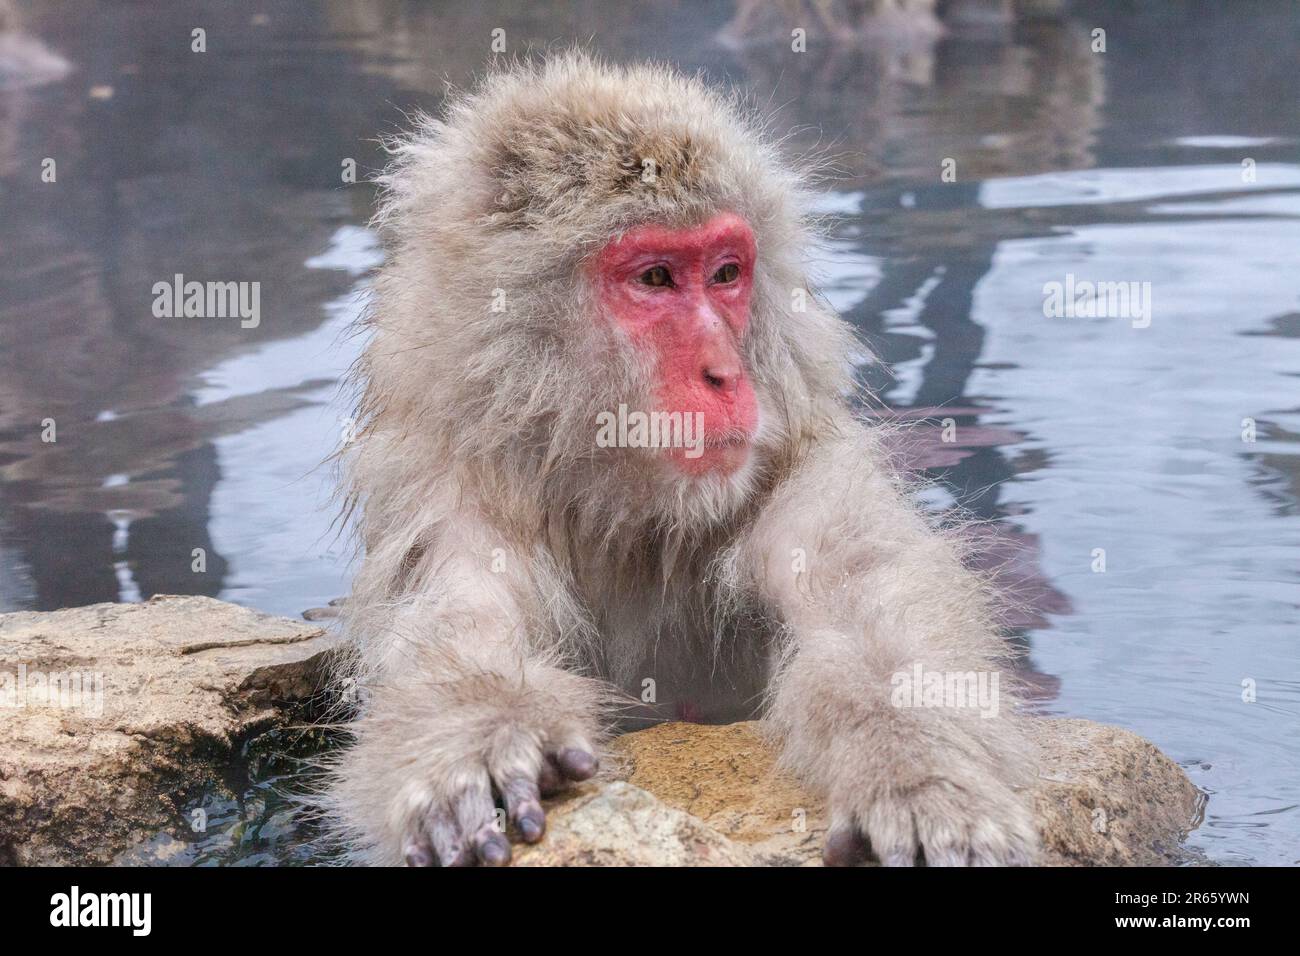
(721,376)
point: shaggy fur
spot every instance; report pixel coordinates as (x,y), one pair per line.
(514,572)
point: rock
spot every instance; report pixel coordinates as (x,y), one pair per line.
(726,776)
(171,689)
(617,824)
(168,690)
(1105,796)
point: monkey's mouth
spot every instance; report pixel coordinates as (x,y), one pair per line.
(721,452)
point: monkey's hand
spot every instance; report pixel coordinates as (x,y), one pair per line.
(945,791)
(434,757)
(945,786)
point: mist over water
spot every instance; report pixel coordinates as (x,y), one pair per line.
(1074,433)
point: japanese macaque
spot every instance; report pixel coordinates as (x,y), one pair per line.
(574,250)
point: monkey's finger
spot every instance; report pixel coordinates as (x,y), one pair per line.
(577,761)
(524,805)
(491,846)
(946,856)
(994,845)
(477,820)
(419,853)
(940,814)
(550,780)
(845,845)
(889,826)
(444,839)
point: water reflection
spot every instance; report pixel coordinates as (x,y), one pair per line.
(1072,435)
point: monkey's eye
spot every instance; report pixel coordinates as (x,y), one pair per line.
(656,276)
(728,273)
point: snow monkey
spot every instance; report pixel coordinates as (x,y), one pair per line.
(574,250)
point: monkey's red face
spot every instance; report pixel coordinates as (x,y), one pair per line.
(682,296)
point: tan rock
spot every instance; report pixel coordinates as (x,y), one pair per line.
(617,824)
(726,776)
(167,689)
(1105,795)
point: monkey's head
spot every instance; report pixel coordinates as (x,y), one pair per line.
(596,295)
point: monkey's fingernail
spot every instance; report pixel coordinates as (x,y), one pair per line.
(529,817)
(578,764)
(494,850)
(532,824)
(845,846)
(419,855)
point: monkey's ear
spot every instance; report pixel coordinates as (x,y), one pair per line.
(509,203)
(511,195)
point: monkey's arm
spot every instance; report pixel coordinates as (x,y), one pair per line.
(464,703)
(869,593)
